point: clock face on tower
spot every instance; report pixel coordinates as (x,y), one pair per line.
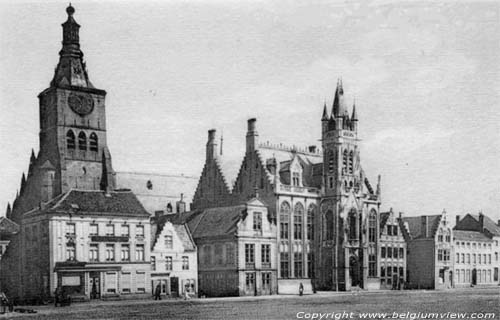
(81,103)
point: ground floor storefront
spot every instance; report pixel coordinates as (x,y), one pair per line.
(172,285)
(83,281)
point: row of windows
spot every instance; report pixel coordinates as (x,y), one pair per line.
(298,265)
(110,230)
(446,236)
(461,258)
(82,141)
(285,212)
(109,252)
(250,254)
(250,281)
(169,263)
(218,257)
(391,230)
(347,161)
(389,272)
(396,253)
(475,245)
(476,276)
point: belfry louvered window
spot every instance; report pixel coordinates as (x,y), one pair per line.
(70,140)
(93,142)
(82,141)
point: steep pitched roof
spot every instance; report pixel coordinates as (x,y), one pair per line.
(471,222)
(156,190)
(489,225)
(119,203)
(414,226)
(185,236)
(8,227)
(466,235)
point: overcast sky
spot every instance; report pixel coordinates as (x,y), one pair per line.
(425,77)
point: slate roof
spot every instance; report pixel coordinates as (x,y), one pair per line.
(165,188)
(488,224)
(414,226)
(470,235)
(95,202)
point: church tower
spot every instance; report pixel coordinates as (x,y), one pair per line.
(342,257)
(73,150)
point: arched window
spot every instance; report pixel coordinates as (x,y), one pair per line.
(82,141)
(372,226)
(284,219)
(329,225)
(310,221)
(353,225)
(93,143)
(298,213)
(70,140)
(351,162)
(344,161)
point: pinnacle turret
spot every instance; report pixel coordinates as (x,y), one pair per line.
(338,102)
(325,113)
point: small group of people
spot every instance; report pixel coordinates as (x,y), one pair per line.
(61,298)
(186,294)
(5,304)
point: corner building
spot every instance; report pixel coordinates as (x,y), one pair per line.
(76,230)
(326,211)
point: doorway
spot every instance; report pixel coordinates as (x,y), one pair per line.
(174,286)
(354,271)
(95,285)
(474,277)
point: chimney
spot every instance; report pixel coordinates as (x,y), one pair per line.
(211,145)
(457,220)
(481,222)
(312,149)
(424,226)
(159,213)
(180,205)
(271,165)
(252,136)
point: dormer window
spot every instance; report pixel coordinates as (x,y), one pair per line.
(296,179)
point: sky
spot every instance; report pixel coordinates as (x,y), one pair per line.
(425,77)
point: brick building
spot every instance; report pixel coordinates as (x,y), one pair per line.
(476,240)
(236,249)
(392,252)
(321,200)
(429,251)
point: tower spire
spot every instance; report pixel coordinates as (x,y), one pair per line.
(354,116)
(325,113)
(338,101)
(71,70)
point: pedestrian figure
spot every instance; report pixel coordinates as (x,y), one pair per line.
(301,289)
(57,296)
(158,292)
(4,302)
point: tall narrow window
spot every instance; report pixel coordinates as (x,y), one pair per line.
(70,140)
(93,143)
(82,141)
(344,161)
(125,252)
(169,242)
(110,252)
(284,220)
(331,161)
(310,222)
(94,252)
(153,263)
(139,252)
(329,225)
(185,263)
(351,162)
(372,227)
(298,212)
(257,221)
(168,263)
(70,251)
(353,232)
(266,255)
(249,254)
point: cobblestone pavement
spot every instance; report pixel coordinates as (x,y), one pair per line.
(408,303)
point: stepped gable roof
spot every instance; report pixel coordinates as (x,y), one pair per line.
(179,224)
(229,170)
(467,235)
(414,226)
(183,233)
(7,227)
(95,202)
(384,216)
